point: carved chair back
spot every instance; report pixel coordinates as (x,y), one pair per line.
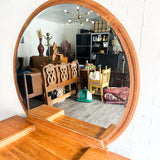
(59,76)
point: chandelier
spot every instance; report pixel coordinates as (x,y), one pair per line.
(79,16)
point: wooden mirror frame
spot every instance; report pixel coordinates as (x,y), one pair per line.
(128,48)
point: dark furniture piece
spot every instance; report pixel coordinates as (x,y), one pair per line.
(119,79)
(89,44)
(84,78)
(83,47)
(38,61)
(115,62)
(33,86)
(20,64)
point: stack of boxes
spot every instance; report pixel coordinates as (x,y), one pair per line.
(101,26)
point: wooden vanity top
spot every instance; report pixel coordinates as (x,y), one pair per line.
(94,153)
(19,140)
(46,112)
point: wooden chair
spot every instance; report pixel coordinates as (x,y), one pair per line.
(60,76)
(95,85)
(34,87)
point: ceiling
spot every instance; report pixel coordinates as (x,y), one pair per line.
(56,13)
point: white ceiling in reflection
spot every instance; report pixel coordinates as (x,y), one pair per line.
(56,13)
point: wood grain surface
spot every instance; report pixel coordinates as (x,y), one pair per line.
(80,126)
(94,153)
(46,144)
(46,112)
(13,129)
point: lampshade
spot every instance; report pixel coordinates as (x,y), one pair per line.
(115,43)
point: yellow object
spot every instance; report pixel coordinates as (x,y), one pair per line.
(36,70)
(104,78)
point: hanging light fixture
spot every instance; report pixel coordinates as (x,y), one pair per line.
(79,16)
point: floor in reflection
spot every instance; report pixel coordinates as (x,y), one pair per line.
(96,112)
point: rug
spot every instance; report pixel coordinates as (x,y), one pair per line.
(116,95)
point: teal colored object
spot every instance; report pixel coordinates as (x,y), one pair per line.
(99,65)
(84,96)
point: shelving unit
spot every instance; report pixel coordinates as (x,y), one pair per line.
(100,41)
(83,47)
(89,44)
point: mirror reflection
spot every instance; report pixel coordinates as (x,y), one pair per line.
(89,75)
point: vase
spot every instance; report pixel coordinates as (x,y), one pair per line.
(40,47)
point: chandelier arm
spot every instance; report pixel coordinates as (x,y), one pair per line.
(68,12)
(85,14)
(83,18)
(81,21)
(79,16)
(78,11)
(89,20)
(72,20)
(73,14)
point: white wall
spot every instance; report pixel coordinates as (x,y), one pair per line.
(60,32)
(141,19)
(31,41)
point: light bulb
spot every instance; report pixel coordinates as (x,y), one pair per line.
(65,11)
(87,19)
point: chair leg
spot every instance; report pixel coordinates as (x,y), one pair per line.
(96,90)
(70,88)
(102,94)
(90,88)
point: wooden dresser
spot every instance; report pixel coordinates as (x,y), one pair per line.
(27,139)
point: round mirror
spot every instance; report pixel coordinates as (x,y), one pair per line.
(86,33)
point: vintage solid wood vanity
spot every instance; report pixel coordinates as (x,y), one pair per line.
(47,133)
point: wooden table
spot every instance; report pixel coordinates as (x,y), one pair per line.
(84,78)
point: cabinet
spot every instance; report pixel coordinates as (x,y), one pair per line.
(83,47)
(89,44)
(100,42)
